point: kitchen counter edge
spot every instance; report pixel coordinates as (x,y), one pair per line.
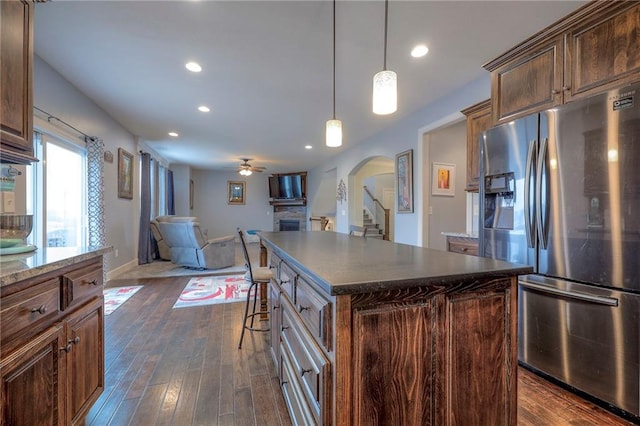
(18,267)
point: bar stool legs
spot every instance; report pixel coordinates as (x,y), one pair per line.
(250,316)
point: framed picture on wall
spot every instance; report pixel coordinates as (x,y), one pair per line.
(125,174)
(443,181)
(236,192)
(404,181)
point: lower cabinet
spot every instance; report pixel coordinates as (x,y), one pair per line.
(51,368)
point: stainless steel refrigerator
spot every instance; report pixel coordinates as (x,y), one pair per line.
(560,191)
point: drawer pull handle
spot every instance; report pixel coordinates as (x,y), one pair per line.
(304,371)
(284,382)
(93,282)
(276,307)
(74,341)
(284,281)
(565,88)
(67,348)
(41,310)
(465,249)
(285,327)
(554,92)
(303,308)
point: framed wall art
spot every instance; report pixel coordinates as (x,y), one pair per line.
(443,180)
(125,174)
(404,179)
(236,192)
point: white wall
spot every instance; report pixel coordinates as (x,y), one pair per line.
(61,99)
(407,134)
(218,217)
(448,145)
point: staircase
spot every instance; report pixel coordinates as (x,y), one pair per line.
(373,229)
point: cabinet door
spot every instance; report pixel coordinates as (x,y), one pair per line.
(478,120)
(85,359)
(604,54)
(32,389)
(276,323)
(528,83)
(16,58)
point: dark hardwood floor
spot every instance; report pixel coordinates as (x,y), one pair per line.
(182,367)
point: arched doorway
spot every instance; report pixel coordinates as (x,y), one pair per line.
(366,207)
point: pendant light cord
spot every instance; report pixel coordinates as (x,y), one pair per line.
(334,59)
(386,17)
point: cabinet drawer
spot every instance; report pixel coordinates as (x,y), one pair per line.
(315,312)
(298,408)
(466,246)
(81,284)
(310,368)
(29,307)
(287,281)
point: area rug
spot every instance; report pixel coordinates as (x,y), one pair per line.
(114,297)
(213,289)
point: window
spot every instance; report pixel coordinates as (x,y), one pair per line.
(59,202)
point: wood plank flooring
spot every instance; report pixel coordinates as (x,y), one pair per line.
(182,367)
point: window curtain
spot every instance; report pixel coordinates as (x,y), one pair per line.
(95,191)
(144,238)
(171,205)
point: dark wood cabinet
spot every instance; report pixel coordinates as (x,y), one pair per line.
(462,245)
(32,392)
(85,359)
(591,50)
(16,81)
(478,120)
(52,362)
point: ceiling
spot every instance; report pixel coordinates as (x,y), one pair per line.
(267,67)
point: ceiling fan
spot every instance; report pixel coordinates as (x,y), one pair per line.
(246,169)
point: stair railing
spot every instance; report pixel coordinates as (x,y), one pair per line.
(377,202)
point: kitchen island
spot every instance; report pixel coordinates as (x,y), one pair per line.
(366,332)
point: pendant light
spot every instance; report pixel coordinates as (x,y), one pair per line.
(385,83)
(334,126)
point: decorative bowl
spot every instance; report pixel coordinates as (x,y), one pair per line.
(14,228)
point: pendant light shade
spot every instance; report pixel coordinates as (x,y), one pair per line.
(385,92)
(334,126)
(385,83)
(334,133)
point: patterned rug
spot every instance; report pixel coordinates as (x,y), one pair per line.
(114,297)
(213,289)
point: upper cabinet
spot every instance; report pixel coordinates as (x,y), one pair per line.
(478,120)
(593,49)
(16,78)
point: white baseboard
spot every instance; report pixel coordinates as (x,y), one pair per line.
(117,271)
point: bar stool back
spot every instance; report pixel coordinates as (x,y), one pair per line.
(257,275)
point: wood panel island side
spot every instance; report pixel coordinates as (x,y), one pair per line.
(370,332)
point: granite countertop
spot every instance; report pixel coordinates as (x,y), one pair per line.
(343,264)
(459,234)
(17,267)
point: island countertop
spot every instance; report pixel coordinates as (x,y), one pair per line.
(17,267)
(343,264)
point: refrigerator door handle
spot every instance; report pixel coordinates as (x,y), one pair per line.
(540,206)
(529,174)
(601,300)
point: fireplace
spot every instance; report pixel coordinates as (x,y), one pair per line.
(289,218)
(289,225)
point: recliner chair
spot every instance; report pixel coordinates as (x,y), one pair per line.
(190,248)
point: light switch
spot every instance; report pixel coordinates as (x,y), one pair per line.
(8,199)
(430,210)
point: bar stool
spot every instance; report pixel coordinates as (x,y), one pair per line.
(258,275)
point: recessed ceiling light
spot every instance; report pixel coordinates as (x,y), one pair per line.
(308,147)
(193,66)
(173,134)
(203,108)
(419,51)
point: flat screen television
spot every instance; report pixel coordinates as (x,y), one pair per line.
(286,187)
